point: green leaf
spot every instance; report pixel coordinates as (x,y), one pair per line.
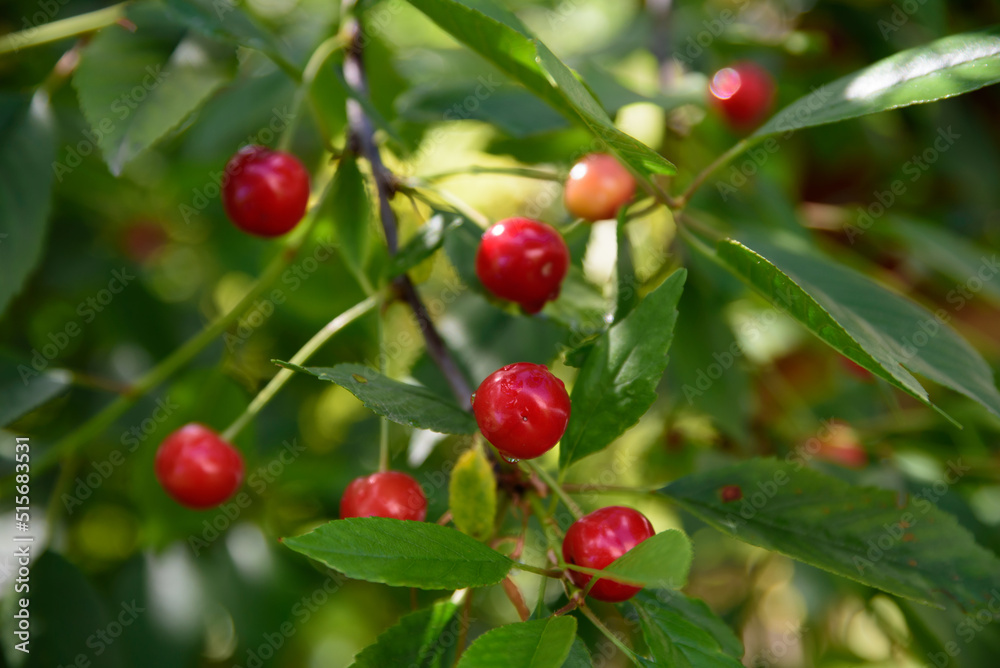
(461,244)
(880,330)
(617,383)
(412,405)
(22,389)
(944,68)
(578,656)
(133,93)
(403,553)
(543,643)
(350,209)
(428,239)
(472,494)
(913,550)
(27,154)
(581,307)
(627,286)
(224,20)
(661,561)
(414,641)
(498,36)
(682,632)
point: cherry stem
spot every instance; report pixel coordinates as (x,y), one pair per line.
(56,30)
(383,431)
(96,425)
(681,201)
(299,358)
(555,487)
(555,573)
(526,172)
(316,61)
(362,134)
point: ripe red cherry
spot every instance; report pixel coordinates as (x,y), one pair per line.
(386,494)
(197,468)
(522,409)
(597,539)
(265,192)
(744,93)
(522,260)
(597,187)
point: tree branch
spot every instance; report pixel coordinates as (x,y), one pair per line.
(362,138)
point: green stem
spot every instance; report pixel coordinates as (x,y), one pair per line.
(383,434)
(316,61)
(56,30)
(525,172)
(304,353)
(555,487)
(589,614)
(96,425)
(703,175)
(555,573)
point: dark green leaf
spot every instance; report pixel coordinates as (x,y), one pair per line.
(944,68)
(412,405)
(133,93)
(578,656)
(581,307)
(543,643)
(661,561)
(911,550)
(617,383)
(683,632)
(403,553)
(414,641)
(349,207)
(27,154)
(627,285)
(461,245)
(880,330)
(224,20)
(23,389)
(499,37)
(424,243)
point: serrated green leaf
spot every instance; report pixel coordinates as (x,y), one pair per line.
(428,239)
(403,553)
(543,643)
(617,383)
(885,333)
(914,550)
(414,641)
(472,494)
(134,88)
(944,68)
(684,633)
(27,155)
(412,405)
(498,36)
(661,561)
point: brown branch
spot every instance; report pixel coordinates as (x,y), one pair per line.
(362,136)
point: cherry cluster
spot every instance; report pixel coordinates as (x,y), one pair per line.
(521,409)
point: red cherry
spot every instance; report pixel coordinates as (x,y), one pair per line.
(598,185)
(265,192)
(597,539)
(744,93)
(197,468)
(522,260)
(522,409)
(386,494)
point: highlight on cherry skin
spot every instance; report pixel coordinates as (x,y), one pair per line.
(522,410)
(523,261)
(265,192)
(744,93)
(391,494)
(597,539)
(597,187)
(197,468)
